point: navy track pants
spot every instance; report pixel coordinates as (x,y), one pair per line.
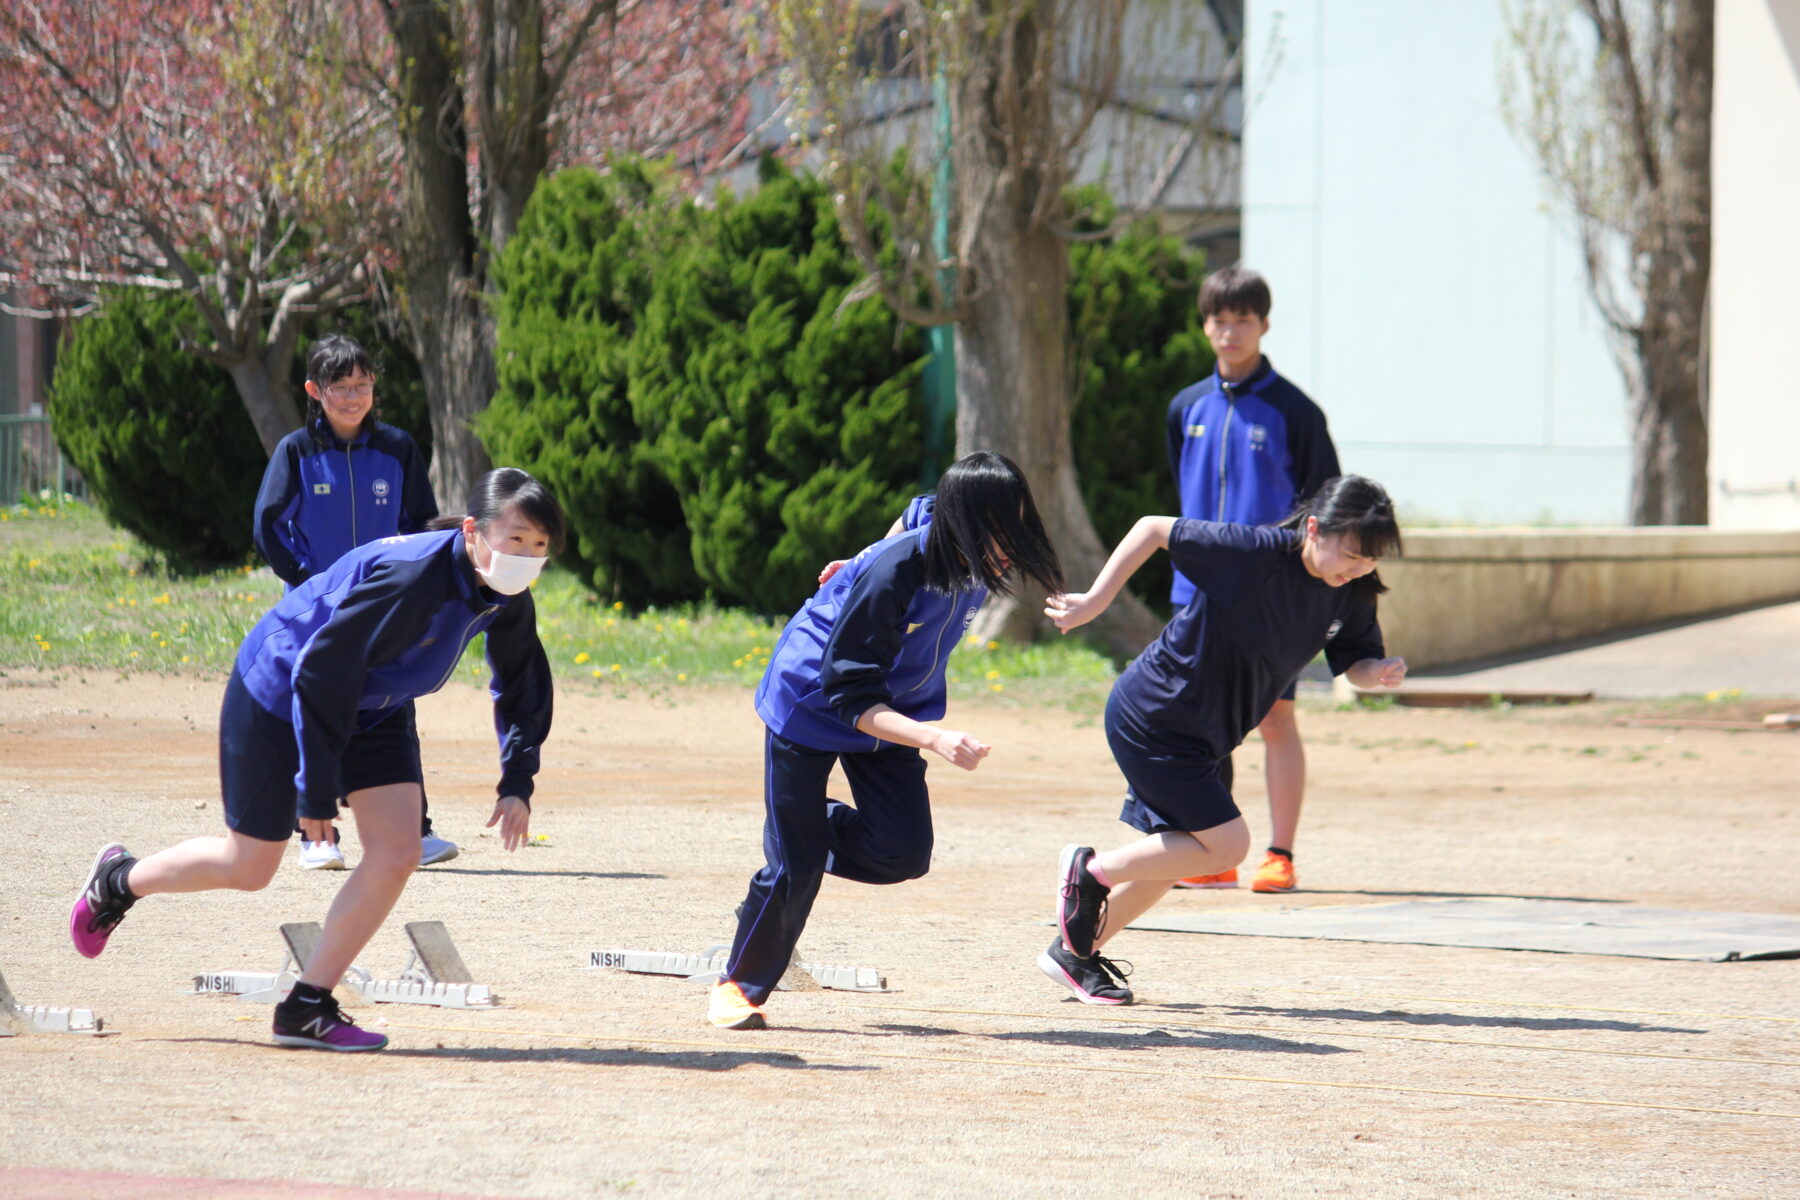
(885,838)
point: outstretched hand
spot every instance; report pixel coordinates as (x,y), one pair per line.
(1391,672)
(1069,610)
(513,816)
(832,568)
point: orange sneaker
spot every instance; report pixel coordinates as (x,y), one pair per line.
(1275,875)
(1224,879)
(731,1009)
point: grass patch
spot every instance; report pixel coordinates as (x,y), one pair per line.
(81,594)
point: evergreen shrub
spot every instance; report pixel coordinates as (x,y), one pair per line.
(161,435)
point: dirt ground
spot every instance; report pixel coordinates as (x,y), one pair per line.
(1249,1067)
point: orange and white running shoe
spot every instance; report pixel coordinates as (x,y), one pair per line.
(731,1009)
(1224,879)
(1275,875)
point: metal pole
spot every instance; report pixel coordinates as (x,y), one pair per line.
(940,372)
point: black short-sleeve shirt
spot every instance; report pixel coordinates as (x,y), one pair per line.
(1257,618)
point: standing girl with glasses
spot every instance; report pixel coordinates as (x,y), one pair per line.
(340,481)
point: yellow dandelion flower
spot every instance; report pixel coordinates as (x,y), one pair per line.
(993,674)
(993,645)
(681,679)
(162,599)
(618,606)
(659,627)
(681,622)
(184,658)
(132,602)
(610,622)
(616,667)
(36,562)
(598,672)
(973,640)
(996,687)
(134,654)
(582,657)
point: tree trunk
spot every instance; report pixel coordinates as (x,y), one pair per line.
(267,398)
(444,273)
(1012,378)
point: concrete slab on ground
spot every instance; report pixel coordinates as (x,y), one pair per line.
(1756,652)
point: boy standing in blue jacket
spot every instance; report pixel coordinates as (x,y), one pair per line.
(1246,446)
(342,480)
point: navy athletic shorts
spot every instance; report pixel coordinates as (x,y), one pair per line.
(1174,784)
(258,758)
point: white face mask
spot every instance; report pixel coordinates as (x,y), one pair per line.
(509,574)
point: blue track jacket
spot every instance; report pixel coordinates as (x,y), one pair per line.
(316,504)
(386,624)
(1245,452)
(872,634)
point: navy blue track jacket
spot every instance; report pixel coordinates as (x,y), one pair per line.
(316,504)
(1257,619)
(1245,452)
(872,634)
(386,624)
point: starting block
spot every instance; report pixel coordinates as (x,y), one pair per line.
(16,1018)
(710,962)
(434,974)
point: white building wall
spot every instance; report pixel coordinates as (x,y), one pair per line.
(1754,398)
(1425,293)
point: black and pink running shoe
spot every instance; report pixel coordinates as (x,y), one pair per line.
(1080,901)
(99,907)
(1094,980)
(321,1025)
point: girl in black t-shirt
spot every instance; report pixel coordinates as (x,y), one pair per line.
(1269,598)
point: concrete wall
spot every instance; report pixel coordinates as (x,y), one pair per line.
(1466,594)
(1755,378)
(1426,293)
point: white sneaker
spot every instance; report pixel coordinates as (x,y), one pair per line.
(434,849)
(321,856)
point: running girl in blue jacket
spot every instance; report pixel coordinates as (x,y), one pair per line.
(342,480)
(857,678)
(1267,599)
(319,705)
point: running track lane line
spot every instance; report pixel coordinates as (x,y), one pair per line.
(1018,1064)
(1389,1037)
(1638,1012)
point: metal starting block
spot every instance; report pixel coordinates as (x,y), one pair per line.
(434,974)
(710,962)
(16,1018)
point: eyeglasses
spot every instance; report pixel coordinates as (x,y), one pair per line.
(351,391)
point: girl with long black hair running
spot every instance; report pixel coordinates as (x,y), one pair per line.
(1269,598)
(857,678)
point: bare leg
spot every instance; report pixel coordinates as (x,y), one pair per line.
(1174,856)
(1127,902)
(1143,872)
(1284,756)
(387,825)
(206,864)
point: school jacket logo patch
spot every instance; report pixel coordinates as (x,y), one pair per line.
(380,488)
(1259,437)
(1196,431)
(1332,631)
(914,626)
(321,489)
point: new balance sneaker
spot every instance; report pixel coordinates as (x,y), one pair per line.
(1094,980)
(99,906)
(1224,879)
(731,1009)
(321,1025)
(1080,900)
(1275,875)
(321,856)
(434,849)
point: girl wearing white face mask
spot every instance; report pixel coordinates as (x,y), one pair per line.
(319,706)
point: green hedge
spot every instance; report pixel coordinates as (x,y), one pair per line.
(718,422)
(162,437)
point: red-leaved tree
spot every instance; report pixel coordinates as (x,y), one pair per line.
(142,144)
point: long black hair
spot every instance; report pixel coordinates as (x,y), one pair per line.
(333,357)
(1355,505)
(985,525)
(505,488)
